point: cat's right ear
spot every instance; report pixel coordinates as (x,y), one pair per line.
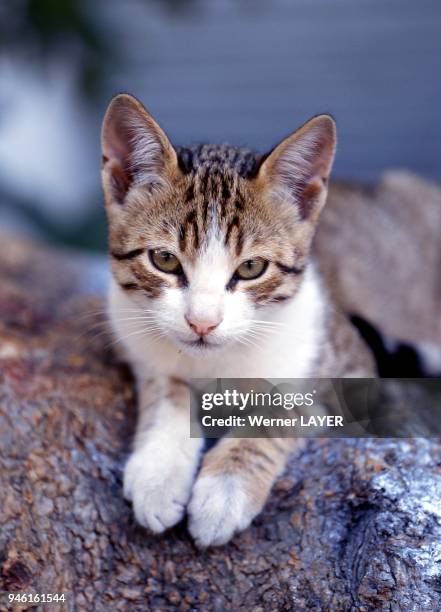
(135,150)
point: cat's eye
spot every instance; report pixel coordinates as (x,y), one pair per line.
(165,261)
(252,268)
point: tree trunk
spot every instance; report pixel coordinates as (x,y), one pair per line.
(353,524)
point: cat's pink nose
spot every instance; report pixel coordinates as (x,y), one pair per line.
(202,327)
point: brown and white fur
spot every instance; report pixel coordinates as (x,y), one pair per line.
(393,227)
(213,208)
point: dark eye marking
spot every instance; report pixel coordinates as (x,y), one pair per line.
(148,282)
(262,292)
(152,290)
(232,283)
(289,269)
(130,286)
(280,298)
(128,255)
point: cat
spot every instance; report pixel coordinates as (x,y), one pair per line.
(209,249)
(394,225)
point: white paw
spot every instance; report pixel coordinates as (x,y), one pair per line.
(158,482)
(219,508)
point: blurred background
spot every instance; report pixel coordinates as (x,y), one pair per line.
(241,71)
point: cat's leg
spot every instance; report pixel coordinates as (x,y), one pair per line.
(233,485)
(160,472)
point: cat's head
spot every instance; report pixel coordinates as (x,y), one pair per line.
(207,240)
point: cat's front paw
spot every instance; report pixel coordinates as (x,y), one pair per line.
(158,482)
(220,506)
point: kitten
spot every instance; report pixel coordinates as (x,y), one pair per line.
(209,251)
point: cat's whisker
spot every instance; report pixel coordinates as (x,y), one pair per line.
(94,330)
(157,335)
(121,320)
(265,332)
(261,327)
(247,340)
(141,318)
(90,315)
(98,334)
(104,312)
(266,329)
(241,341)
(286,328)
(264,322)
(256,335)
(107,328)
(138,332)
(256,330)
(252,344)
(138,309)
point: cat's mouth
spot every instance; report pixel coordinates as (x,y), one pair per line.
(201,344)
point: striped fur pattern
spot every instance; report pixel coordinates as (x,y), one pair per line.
(215,198)
(213,210)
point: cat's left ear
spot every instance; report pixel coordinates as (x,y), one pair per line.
(135,149)
(297,170)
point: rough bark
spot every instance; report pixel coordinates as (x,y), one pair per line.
(353,525)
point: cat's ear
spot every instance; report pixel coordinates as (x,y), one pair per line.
(135,150)
(297,170)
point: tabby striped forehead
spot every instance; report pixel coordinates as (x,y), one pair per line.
(215,200)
